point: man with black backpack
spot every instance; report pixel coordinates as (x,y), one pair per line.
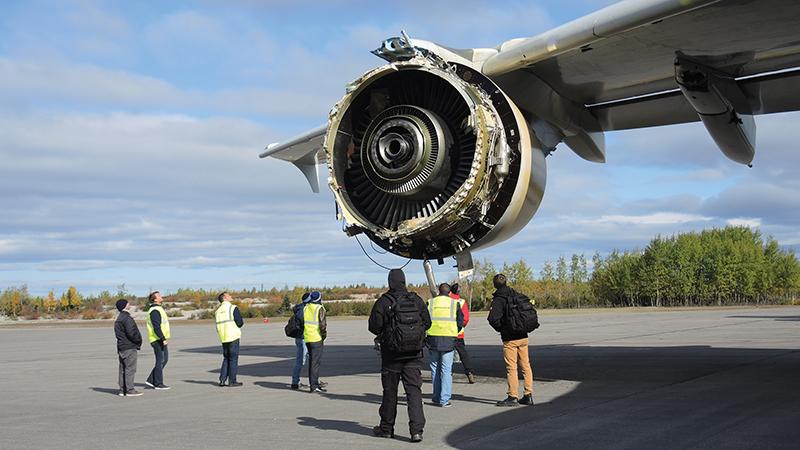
(513,315)
(294,329)
(400,319)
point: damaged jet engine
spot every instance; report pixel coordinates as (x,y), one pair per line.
(430,158)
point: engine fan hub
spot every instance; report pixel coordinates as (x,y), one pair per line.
(405,148)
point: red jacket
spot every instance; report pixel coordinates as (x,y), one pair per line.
(465,311)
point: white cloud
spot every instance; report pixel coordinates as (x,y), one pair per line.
(660,218)
(744,222)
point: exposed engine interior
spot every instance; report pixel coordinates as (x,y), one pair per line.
(430,159)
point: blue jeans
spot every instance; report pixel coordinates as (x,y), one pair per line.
(230,362)
(441,375)
(156,377)
(301,356)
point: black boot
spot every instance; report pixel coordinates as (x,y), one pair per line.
(377,431)
(526,400)
(509,401)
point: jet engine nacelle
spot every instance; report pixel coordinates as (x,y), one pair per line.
(429,158)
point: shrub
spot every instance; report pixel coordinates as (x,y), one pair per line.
(174,313)
(203,315)
(348,308)
(105,315)
(30,313)
(89,314)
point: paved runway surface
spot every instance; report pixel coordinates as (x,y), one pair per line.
(688,379)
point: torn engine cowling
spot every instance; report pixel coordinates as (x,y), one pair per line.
(429,158)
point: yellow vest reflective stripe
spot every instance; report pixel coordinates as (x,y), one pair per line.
(151,332)
(443,311)
(311,331)
(226,326)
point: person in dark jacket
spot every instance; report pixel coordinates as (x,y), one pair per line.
(398,366)
(301,354)
(129,342)
(515,345)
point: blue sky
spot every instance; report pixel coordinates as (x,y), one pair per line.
(129,133)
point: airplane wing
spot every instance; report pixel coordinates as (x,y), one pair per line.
(626,63)
(304,151)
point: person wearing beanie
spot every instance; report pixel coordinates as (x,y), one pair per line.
(461,347)
(129,341)
(301,355)
(399,365)
(314,334)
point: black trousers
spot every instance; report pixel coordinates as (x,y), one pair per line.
(461,348)
(314,362)
(412,382)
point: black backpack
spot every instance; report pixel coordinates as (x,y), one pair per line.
(295,327)
(405,333)
(520,314)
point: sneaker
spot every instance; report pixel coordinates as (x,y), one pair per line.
(323,384)
(121,393)
(509,401)
(236,384)
(446,405)
(222,384)
(318,390)
(376,430)
(149,384)
(471,378)
(162,387)
(416,437)
(133,393)
(295,386)
(526,400)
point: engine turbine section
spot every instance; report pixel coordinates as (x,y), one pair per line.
(429,158)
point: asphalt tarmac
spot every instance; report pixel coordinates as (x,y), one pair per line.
(651,379)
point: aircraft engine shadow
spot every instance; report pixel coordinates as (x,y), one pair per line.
(680,395)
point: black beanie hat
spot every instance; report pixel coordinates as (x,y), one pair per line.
(121,304)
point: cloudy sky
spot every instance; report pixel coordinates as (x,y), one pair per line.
(129,134)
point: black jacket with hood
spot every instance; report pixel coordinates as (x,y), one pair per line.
(379,320)
(497,315)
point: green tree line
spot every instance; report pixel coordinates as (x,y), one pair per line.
(728,266)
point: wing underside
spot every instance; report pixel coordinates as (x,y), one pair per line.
(740,38)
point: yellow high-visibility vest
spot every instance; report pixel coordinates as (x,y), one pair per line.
(443,311)
(226,326)
(151,332)
(311,332)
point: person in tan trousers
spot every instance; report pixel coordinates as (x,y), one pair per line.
(515,346)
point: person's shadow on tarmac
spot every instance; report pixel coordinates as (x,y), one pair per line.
(338,425)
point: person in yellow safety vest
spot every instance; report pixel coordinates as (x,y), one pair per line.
(447,320)
(315,329)
(229,323)
(159,335)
